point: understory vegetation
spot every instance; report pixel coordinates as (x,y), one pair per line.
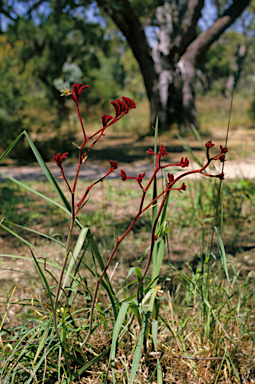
(173,303)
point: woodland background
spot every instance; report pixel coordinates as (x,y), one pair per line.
(45,45)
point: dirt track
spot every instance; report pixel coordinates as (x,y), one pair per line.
(232,169)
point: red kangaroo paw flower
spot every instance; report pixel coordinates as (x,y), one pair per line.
(123,106)
(209,144)
(106,119)
(123,175)
(184,163)
(170,177)
(223,149)
(222,158)
(114,165)
(150,152)
(140,177)
(117,108)
(130,103)
(58,158)
(162,151)
(78,89)
(81,89)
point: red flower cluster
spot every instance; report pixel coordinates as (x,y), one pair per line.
(162,151)
(184,163)
(114,165)
(209,144)
(170,177)
(182,188)
(124,176)
(223,149)
(105,119)
(58,158)
(123,106)
(76,91)
(150,152)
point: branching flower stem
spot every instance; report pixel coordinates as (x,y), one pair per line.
(122,107)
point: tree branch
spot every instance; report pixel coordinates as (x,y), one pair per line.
(187,31)
(201,44)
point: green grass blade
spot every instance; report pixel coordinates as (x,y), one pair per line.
(59,363)
(154,338)
(105,282)
(116,331)
(23,339)
(221,364)
(41,261)
(34,231)
(43,337)
(86,366)
(157,260)
(11,146)
(21,238)
(36,193)
(76,251)
(138,350)
(42,359)
(234,368)
(223,253)
(47,172)
(44,280)
(131,270)
(199,138)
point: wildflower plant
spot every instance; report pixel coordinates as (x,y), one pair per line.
(142,306)
(122,107)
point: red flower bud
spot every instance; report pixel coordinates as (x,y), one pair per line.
(114,165)
(209,144)
(222,158)
(223,149)
(123,106)
(140,177)
(150,152)
(106,119)
(170,177)
(130,103)
(78,89)
(184,163)
(123,175)
(58,158)
(117,108)
(162,151)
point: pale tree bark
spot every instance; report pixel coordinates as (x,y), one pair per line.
(169,69)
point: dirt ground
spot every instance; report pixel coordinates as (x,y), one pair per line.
(130,153)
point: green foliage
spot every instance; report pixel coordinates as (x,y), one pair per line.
(38,59)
